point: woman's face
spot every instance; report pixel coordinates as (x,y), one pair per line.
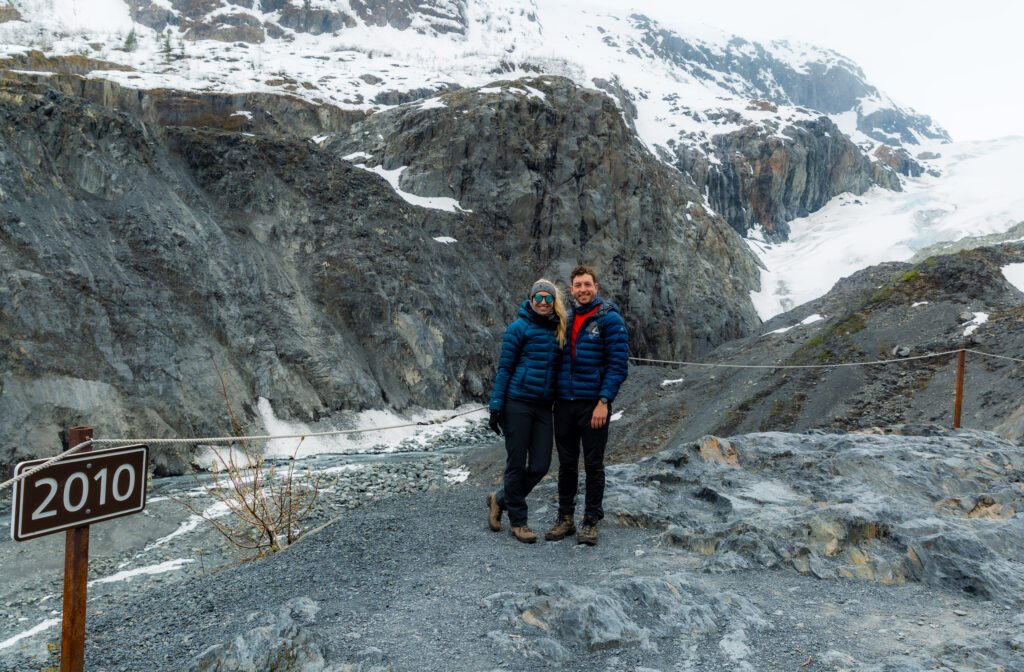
(543,303)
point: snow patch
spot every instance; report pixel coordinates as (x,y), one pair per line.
(972,326)
(375,430)
(810,319)
(456,475)
(45,625)
(127,575)
(432,104)
(432,202)
(1014,274)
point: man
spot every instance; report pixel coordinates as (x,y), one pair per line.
(594,363)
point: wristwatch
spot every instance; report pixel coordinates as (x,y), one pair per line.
(604,400)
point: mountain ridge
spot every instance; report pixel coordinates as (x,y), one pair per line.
(683,93)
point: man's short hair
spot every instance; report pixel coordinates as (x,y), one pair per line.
(583,269)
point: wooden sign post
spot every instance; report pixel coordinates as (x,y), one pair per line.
(76,576)
(83,488)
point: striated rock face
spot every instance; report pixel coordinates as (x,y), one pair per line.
(137,268)
(265,114)
(282,635)
(766,178)
(37,60)
(942,510)
(143,264)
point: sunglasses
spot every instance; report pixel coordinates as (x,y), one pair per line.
(543,298)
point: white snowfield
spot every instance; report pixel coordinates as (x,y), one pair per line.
(977,194)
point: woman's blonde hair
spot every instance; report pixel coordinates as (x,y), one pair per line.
(563,320)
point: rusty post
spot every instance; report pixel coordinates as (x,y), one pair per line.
(76,574)
(961,360)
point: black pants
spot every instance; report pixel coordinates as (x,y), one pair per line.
(573,432)
(528,454)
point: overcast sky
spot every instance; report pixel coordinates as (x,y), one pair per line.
(960,62)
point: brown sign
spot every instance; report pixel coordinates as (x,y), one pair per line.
(80,490)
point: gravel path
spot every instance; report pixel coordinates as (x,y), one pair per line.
(418,582)
(403,575)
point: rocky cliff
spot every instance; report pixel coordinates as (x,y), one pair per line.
(558,175)
(144,262)
(764,176)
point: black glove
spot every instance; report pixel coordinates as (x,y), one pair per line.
(496,423)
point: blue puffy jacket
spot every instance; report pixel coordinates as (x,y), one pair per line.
(530,356)
(601,361)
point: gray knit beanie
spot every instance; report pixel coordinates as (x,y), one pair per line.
(543,286)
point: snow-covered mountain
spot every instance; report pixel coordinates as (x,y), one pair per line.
(680,84)
(687,90)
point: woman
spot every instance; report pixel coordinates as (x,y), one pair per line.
(524,390)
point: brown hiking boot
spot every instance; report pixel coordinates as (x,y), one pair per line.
(561,529)
(493,512)
(524,534)
(588,533)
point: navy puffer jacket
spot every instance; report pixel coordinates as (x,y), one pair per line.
(601,361)
(530,356)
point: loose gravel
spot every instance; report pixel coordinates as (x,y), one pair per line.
(400,572)
(419,581)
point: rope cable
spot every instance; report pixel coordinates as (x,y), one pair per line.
(795,366)
(226,439)
(39,467)
(989,354)
(439,421)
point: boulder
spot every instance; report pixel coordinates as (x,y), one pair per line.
(942,510)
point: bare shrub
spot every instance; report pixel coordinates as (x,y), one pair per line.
(266,505)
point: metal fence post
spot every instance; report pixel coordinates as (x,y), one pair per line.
(961,359)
